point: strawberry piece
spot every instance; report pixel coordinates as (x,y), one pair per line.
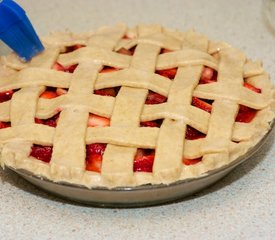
(251,87)
(106,92)
(94,162)
(70,69)
(74,47)
(6,96)
(108,69)
(150,124)
(125,51)
(155,98)
(5,125)
(164,50)
(143,163)
(38,121)
(207,73)
(61,91)
(52,122)
(197,102)
(193,134)
(43,153)
(245,114)
(95,148)
(191,161)
(58,67)
(48,95)
(98,121)
(169,73)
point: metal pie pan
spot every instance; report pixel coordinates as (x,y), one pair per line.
(145,195)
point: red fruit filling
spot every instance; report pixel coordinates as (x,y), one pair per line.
(169,73)
(155,98)
(251,87)
(245,114)
(107,92)
(52,122)
(70,69)
(208,75)
(191,161)
(98,121)
(5,125)
(94,153)
(193,134)
(43,153)
(164,50)
(202,104)
(155,123)
(144,160)
(73,48)
(124,51)
(107,69)
(6,95)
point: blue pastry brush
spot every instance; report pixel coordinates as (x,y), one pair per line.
(17,31)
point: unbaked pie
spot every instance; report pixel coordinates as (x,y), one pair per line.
(131,106)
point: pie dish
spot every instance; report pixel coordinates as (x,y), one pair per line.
(124,107)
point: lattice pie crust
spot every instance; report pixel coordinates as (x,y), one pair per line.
(225,139)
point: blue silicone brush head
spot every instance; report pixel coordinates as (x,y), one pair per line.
(17,31)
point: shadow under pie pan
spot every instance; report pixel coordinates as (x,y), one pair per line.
(145,195)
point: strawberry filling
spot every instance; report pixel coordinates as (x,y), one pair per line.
(193,134)
(73,48)
(155,98)
(197,102)
(43,153)
(5,125)
(155,123)
(144,160)
(70,69)
(52,122)
(191,161)
(169,73)
(208,75)
(94,153)
(6,96)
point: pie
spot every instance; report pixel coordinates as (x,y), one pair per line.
(126,106)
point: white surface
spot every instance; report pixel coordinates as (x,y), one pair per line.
(241,206)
